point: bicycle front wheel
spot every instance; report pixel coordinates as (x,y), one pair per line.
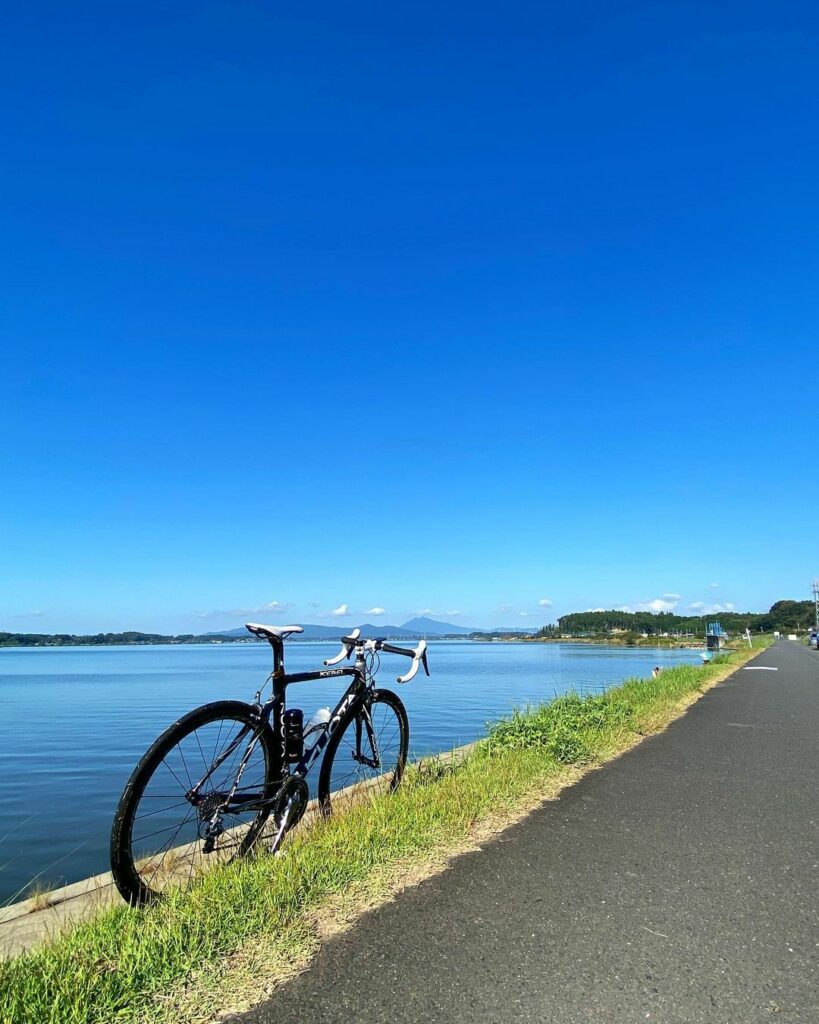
(173,820)
(367,752)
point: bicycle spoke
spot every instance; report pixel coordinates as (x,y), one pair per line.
(181,784)
(185,766)
(162,810)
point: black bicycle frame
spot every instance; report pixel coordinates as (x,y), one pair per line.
(273,711)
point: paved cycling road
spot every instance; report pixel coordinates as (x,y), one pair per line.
(677,885)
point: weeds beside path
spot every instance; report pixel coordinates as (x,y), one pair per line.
(159,964)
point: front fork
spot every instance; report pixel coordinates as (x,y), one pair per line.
(364,718)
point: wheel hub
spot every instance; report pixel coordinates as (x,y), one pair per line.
(210,803)
(211,824)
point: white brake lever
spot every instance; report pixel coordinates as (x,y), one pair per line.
(345,650)
(420,650)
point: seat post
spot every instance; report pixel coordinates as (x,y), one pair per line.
(278,655)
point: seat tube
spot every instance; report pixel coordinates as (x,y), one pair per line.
(279,687)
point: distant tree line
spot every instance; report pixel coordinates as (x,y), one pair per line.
(784,616)
(96,639)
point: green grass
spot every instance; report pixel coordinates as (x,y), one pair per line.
(123,964)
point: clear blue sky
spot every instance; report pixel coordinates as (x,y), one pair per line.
(423,306)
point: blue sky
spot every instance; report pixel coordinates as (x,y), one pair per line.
(460,308)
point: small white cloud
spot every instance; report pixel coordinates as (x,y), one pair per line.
(274,608)
(713,586)
(29,615)
(711,609)
(427,611)
(666,603)
(375,611)
(544,602)
(453,615)
(340,612)
(505,609)
(523,615)
(270,608)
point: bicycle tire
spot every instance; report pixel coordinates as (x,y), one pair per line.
(126,863)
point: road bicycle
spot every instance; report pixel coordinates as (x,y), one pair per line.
(204,792)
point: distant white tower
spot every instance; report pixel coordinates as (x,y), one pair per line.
(816,599)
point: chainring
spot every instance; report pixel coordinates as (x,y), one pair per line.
(294,789)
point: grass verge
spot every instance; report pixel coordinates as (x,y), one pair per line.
(155,965)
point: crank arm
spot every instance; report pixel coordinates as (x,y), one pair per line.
(285,825)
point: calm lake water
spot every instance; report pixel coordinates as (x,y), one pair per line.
(74,721)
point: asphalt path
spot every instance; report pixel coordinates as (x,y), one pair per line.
(676,885)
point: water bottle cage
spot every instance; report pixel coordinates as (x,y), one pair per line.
(293,735)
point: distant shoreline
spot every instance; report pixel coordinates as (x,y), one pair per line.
(17,640)
(615,641)
(13,641)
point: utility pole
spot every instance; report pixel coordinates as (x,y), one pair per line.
(816,599)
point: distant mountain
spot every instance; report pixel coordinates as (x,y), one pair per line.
(414,629)
(313,631)
(392,632)
(431,627)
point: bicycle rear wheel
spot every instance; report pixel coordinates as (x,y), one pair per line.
(367,752)
(169,826)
